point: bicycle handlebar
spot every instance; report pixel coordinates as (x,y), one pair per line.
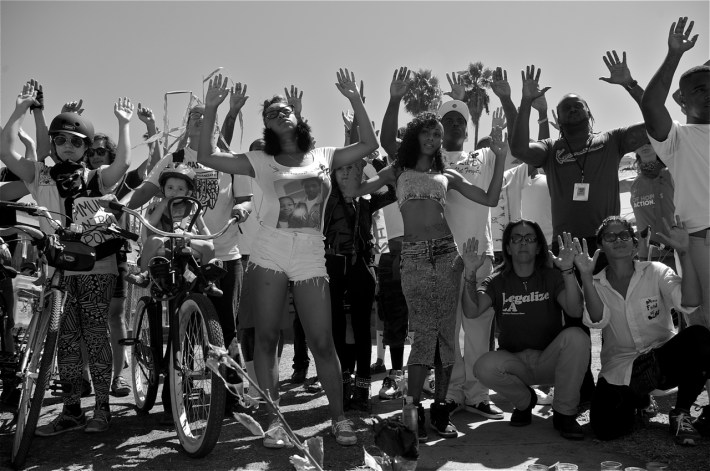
(116,206)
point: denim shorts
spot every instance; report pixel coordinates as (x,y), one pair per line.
(430,282)
(298,255)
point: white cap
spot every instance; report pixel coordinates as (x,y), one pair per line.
(454,105)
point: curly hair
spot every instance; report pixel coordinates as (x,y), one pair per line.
(272,145)
(409,150)
(542,257)
(616,219)
(110,146)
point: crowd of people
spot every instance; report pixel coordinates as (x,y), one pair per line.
(517,244)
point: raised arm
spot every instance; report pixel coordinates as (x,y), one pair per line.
(156,153)
(388,135)
(367,142)
(44,145)
(472,192)
(386,176)
(501,88)
(23,168)
(217,91)
(676,236)
(237,98)
(619,74)
(543,124)
(585,265)
(653,104)
(532,153)
(571,297)
(473,302)
(123,109)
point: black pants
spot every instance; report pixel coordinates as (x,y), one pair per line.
(352,285)
(683,361)
(391,304)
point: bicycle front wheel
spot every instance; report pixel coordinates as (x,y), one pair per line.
(35,378)
(198,395)
(146,353)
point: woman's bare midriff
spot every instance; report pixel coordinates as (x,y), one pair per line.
(423,220)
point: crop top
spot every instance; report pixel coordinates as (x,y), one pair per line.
(415,185)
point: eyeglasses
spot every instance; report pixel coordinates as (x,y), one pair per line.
(528,238)
(100,151)
(612,236)
(286,111)
(68,181)
(76,141)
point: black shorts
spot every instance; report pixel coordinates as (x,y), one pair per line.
(391,304)
(121,288)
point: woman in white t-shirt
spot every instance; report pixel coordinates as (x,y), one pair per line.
(288,166)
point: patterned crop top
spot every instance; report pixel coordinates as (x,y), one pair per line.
(415,185)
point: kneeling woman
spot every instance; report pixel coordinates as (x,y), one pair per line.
(289,166)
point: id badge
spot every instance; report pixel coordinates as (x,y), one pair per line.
(581,192)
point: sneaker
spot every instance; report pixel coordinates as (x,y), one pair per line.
(453,406)
(422,436)
(439,419)
(702,423)
(429,383)
(521,418)
(378,367)
(344,433)
(298,376)
(313,385)
(681,427)
(119,387)
(85,387)
(390,386)
(568,426)
(62,423)
(99,422)
(276,437)
(485,409)
(544,399)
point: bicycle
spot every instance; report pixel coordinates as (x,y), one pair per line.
(36,346)
(197,395)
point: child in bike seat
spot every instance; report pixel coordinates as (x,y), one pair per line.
(174,182)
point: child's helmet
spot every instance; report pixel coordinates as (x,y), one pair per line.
(72,123)
(179,171)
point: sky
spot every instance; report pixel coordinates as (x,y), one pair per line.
(99,51)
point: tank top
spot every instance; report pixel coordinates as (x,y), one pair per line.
(415,185)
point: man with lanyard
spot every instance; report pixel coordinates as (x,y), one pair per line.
(217,193)
(582,168)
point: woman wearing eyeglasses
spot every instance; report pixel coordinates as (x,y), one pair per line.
(69,189)
(289,166)
(631,302)
(528,297)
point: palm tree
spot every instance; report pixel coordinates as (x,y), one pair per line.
(423,94)
(477,79)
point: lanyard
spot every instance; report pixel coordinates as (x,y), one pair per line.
(584,157)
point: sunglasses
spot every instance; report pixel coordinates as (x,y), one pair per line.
(612,236)
(286,111)
(76,141)
(100,151)
(68,181)
(528,238)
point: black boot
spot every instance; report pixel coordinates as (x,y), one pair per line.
(361,395)
(348,387)
(439,418)
(421,424)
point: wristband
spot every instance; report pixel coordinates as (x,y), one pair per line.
(632,84)
(567,270)
(543,120)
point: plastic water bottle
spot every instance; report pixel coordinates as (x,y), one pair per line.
(410,415)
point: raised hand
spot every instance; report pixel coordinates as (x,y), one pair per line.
(347,119)
(26,140)
(27,98)
(73,107)
(565,259)
(585,264)
(458,88)
(346,84)
(472,260)
(675,236)
(499,144)
(679,37)
(146,115)
(123,109)
(498,120)
(293,99)
(400,82)
(217,91)
(540,104)
(500,85)
(531,87)
(40,95)
(619,72)
(554,122)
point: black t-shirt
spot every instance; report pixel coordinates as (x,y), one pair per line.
(526,309)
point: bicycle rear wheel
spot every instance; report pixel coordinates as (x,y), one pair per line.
(35,378)
(197,394)
(146,353)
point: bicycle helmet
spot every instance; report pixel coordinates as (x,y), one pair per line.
(72,123)
(179,171)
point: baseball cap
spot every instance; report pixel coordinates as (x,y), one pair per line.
(455,105)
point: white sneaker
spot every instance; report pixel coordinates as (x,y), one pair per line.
(429,384)
(544,399)
(391,385)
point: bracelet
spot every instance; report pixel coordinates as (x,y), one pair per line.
(567,270)
(631,85)
(543,120)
